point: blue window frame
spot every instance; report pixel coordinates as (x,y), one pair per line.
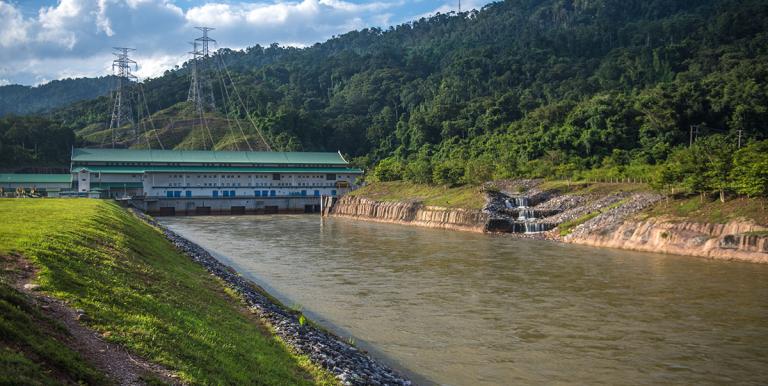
(231,193)
(272,193)
(303,192)
(317,193)
(188,193)
(257,193)
(265,193)
(215,193)
(169,194)
(333,192)
(177,193)
(226,193)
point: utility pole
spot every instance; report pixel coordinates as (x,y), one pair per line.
(459,6)
(694,131)
(121,110)
(690,142)
(740,131)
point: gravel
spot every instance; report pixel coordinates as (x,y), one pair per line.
(613,218)
(350,365)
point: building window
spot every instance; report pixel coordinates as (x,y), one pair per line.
(330,177)
(276,177)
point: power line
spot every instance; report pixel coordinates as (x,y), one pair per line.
(149,116)
(240,99)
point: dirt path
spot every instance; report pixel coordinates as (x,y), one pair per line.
(112,359)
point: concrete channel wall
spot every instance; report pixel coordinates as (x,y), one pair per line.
(242,205)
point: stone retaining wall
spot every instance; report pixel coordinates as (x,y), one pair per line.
(409,213)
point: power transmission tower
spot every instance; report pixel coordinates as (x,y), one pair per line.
(194,85)
(121,110)
(204,86)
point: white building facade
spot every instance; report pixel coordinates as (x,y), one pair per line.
(186,180)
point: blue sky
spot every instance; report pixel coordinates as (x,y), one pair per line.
(45,39)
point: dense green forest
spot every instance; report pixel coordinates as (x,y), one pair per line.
(538,88)
(17,99)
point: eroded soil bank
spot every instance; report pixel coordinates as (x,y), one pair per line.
(605,215)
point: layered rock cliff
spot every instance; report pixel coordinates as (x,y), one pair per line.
(736,240)
(409,213)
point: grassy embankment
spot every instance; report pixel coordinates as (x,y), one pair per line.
(137,291)
(467,197)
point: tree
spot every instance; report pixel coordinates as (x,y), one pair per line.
(750,171)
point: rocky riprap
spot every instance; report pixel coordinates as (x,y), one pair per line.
(350,365)
(611,219)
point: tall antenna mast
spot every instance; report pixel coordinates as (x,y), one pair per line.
(121,110)
(459,6)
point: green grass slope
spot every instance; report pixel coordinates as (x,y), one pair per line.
(468,197)
(32,351)
(141,293)
(179,127)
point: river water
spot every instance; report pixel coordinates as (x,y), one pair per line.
(471,309)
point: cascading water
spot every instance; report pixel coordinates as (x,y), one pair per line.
(526,214)
(526,217)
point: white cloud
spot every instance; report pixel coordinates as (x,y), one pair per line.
(75,37)
(14,32)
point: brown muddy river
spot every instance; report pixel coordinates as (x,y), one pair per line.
(470,309)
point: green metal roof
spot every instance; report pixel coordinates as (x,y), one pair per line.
(203,156)
(36,178)
(210,169)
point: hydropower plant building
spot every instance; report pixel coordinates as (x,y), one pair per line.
(203,182)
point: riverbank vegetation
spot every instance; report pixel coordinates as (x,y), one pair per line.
(137,291)
(467,197)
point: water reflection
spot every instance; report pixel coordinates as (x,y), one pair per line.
(469,309)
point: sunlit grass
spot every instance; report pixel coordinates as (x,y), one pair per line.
(468,197)
(156,302)
(711,210)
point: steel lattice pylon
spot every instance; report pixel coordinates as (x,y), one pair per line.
(200,87)
(121,109)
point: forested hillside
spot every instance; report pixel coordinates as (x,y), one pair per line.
(17,99)
(520,88)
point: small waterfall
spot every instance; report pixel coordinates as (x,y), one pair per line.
(526,214)
(534,227)
(516,202)
(526,217)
